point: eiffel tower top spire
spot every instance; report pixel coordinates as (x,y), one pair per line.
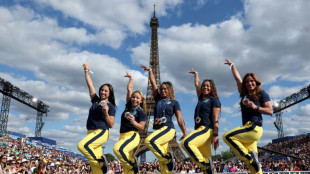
(150,102)
(154,56)
(154,11)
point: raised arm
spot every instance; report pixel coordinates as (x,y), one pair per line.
(152,79)
(89,82)
(181,123)
(196,82)
(129,86)
(235,73)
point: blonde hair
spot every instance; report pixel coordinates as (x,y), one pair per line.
(143,101)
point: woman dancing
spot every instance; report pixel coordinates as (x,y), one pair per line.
(132,121)
(100,118)
(165,107)
(198,143)
(254,102)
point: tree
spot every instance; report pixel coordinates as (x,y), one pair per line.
(216,157)
(110,157)
(228,154)
(187,159)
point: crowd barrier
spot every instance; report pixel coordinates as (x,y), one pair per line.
(288,172)
(284,172)
(276,172)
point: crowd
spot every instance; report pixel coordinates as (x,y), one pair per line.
(19,157)
(298,147)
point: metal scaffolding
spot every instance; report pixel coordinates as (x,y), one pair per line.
(10,91)
(287,102)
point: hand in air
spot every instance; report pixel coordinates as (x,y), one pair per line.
(145,68)
(86,66)
(193,71)
(228,62)
(128,74)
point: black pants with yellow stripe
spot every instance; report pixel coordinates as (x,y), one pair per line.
(91,147)
(123,149)
(198,146)
(243,140)
(157,142)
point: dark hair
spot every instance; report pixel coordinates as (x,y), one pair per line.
(3,155)
(170,89)
(111,98)
(253,95)
(213,92)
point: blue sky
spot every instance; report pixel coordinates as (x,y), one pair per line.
(43,45)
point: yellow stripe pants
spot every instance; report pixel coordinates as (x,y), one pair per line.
(91,147)
(157,142)
(243,140)
(198,146)
(123,149)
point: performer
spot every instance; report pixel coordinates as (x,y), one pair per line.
(198,143)
(254,102)
(132,120)
(100,118)
(165,107)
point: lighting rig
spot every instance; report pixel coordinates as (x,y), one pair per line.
(10,91)
(287,102)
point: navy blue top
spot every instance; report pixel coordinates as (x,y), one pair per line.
(165,108)
(249,114)
(204,111)
(96,117)
(137,112)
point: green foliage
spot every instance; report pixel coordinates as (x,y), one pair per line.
(228,154)
(187,159)
(216,157)
(225,155)
(110,157)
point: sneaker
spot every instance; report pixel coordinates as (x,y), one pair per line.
(136,166)
(171,163)
(104,162)
(210,167)
(255,162)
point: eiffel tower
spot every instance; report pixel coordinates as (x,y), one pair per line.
(154,65)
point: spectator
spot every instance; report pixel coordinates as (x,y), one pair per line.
(3,162)
(31,156)
(266,168)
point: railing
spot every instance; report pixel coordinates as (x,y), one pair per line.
(274,172)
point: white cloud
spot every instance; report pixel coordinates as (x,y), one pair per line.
(280,91)
(111,20)
(227,110)
(305,111)
(275,48)
(205,48)
(75,129)
(200,3)
(268,135)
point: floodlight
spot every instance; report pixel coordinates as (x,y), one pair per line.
(34,99)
